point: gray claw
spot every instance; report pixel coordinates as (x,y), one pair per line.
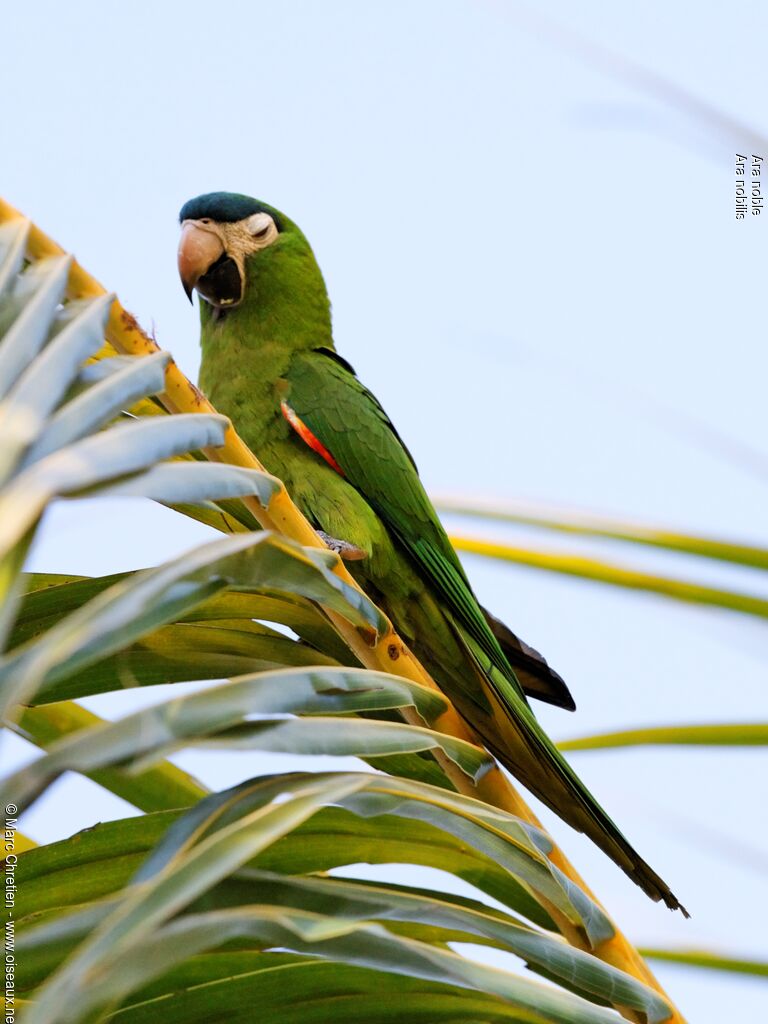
(349,552)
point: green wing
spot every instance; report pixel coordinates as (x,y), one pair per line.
(353,428)
(348,420)
(342,414)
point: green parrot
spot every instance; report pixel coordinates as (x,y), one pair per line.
(269,363)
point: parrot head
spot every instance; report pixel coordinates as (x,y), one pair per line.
(221,233)
(253,269)
(237,251)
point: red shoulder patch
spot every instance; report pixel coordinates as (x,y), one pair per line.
(308,437)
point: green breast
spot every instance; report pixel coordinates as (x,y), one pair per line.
(247,386)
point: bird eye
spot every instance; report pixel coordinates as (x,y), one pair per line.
(260,225)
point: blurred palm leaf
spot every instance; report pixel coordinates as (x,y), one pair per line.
(588,524)
(602,570)
(615,575)
(710,961)
(732,734)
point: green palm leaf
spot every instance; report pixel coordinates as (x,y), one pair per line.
(615,575)
(736,734)
(587,524)
(710,961)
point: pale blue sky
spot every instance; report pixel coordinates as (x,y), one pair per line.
(534,262)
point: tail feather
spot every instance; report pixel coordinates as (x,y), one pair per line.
(513,735)
(534,674)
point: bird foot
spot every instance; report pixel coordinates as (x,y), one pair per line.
(349,552)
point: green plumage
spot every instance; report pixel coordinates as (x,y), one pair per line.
(276,346)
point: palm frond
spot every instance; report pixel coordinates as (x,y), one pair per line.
(723,734)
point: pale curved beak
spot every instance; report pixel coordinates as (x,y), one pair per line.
(199,249)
